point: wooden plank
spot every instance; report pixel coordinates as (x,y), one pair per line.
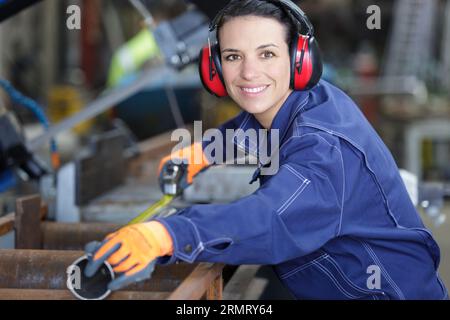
(7,221)
(40,294)
(214,292)
(198,282)
(27,223)
(7,224)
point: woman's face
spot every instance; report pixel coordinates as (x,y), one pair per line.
(256,65)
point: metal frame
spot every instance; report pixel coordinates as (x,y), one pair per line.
(191,281)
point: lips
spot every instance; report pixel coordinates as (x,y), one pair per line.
(254,89)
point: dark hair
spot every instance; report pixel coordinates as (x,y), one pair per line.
(259,8)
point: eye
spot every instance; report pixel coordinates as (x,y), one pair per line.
(232,57)
(267,54)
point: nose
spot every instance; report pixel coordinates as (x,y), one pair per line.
(249,69)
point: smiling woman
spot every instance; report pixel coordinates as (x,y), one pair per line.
(335,220)
(255,65)
(264,51)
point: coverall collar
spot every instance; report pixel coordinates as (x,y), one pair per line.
(295,103)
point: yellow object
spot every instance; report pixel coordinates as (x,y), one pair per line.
(152,210)
(427,155)
(64,101)
(132,55)
(140,244)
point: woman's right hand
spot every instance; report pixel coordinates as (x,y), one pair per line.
(191,158)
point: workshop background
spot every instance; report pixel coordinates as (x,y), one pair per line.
(90,91)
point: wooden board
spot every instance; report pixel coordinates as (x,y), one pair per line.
(203,277)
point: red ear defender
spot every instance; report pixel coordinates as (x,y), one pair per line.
(306,63)
(301,66)
(210,73)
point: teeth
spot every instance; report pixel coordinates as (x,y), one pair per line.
(254,90)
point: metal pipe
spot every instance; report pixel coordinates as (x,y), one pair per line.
(144,12)
(42,269)
(107,100)
(96,286)
(36,294)
(73,236)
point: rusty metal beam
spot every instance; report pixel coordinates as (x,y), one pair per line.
(35,269)
(203,277)
(32,270)
(39,294)
(43,269)
(52,235)
(27,221)
(73,236)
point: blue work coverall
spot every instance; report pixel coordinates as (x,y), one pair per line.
(335,221)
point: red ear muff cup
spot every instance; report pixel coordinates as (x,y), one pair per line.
(316,62)
(209,73)
(310,65)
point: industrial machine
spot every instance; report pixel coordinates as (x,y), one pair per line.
(15,157)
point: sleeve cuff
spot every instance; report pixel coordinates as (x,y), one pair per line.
(187,244)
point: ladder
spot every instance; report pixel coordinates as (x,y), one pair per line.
(410,45)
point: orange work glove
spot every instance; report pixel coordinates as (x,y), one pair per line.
(130,251)
(193,159)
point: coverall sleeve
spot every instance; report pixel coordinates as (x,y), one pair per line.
(292,214)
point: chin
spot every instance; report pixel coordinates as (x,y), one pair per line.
(255,108)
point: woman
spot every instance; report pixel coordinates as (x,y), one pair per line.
(335,221)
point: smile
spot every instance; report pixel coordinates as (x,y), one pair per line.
(254,89)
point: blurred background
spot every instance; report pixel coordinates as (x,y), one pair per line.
(91,88)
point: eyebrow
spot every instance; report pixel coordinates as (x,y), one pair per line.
(259,48)
(266,45)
